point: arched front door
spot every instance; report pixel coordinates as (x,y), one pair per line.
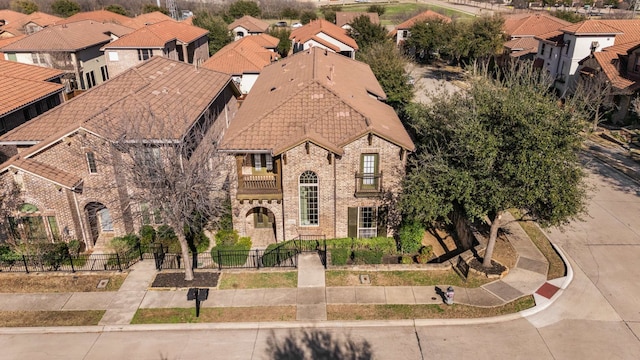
(261,226)
(99,220)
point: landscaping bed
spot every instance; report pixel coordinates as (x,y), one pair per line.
(59,282)
(176,280)
(424,311)
(220,314)
(50,318)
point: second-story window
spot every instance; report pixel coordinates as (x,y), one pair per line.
(261,163)
(144,54)
(369,169)
(542,49)
(91,163)
(309,198)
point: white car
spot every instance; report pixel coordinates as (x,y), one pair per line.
(296,25)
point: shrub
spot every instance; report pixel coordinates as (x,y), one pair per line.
(74,247)
(410,236)
(406,259)
(382,244)
(122,245)
(232,255)
(166,236)
(226,238)
(375,8)
(339,256)
(367,257)
(147,236)
(8,255)
(425,254)
(276,253)
(52,255)
(342,243)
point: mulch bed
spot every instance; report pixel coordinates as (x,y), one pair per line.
(176,280)
(495,269)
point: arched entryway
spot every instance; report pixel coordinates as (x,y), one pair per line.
(100,222)
(261,226)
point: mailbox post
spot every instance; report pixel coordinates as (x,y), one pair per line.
(198,295)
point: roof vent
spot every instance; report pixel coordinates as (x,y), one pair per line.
(273,89)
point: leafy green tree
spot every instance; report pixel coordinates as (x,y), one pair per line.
(387,65)
(307,16)
(65,8)
(569,16)
(24,6)
(329,12)
(500,144)
(366,33)
(289,13)
(284,46)
(375,8)
(241,8)
(428,38)
(480,39)
(149,8)
(115,8)
(219,35)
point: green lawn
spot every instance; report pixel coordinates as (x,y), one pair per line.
(258,280)
(404,278)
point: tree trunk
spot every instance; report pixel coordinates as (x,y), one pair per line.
(596,119)
(493,235)
(184,246)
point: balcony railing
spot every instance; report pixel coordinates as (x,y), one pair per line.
(259,187)
(368,184)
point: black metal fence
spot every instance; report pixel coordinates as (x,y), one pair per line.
(232,259)
(312,243)
(70,263)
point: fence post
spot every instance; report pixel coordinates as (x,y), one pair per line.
(71,261)
(219,260)
(24,260)
(140,251)
(257,259)
(325,254)
(118,259)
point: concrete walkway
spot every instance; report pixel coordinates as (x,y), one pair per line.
(311,300)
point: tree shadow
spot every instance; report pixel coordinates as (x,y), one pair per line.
(610,176)
(316,344)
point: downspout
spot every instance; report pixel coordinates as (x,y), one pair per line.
(75,200)
(284,234)
(335,199)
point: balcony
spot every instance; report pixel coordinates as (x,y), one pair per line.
(266,186)
(368,185)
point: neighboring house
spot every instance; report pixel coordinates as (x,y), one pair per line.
(27,24)
(521,30)
(26,91)
(143,20)
(620,64)
(73,48)
(170,39)
(317,151)
(67,190)
(7,18)
(7,41)
(102,16)
(323,34)
(244,59)
(344,19)
(247,25)
(560,52)
(402,31)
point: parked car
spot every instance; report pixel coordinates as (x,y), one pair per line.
(296,25)
(280,24)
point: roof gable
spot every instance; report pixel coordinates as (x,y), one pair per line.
(242,56)
(532,24)
(315,27)
(159,34)
(346,17)
(250,23)
(423,16)
(102,16)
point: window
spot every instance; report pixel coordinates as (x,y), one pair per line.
(261,163)
(91,162)
(240,34)
(91,79)
(38,58)
(30,225)
(308,198)
(113,56)
(567,46)
(366,222)
(405,33)
(369,167)
(144,54)
(636,68)
(146,215)
(148,158)
(105,73)
(106,223)
(542,49)
(12,57)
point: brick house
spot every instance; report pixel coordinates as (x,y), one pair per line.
(317,151)
(325,35)
(171,39)
(73,48)
(244,59)
(246,26)
(64,167)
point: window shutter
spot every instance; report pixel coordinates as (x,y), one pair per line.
(381,220)
(352,221)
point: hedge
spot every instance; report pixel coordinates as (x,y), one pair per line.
(339,256)
(367,257)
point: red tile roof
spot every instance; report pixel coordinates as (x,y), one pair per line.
(143,20)
(158,35)
(266,41)
(532,24)
(250,23)
(241,57)
(344,17)
(176,91)
(609,61)
(102,16)
(47,172)
(522,46)
(38,18)
(315,27)
(423,16)
(22,84)
(554,37)
(314,95)
(68,37)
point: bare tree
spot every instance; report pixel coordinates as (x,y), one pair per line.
(168,164)
(593,97)
(635,105)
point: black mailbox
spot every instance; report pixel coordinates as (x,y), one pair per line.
(203,294)
(192,294)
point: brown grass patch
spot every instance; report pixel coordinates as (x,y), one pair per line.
(423,311)
(219,314)
(59,282)
(404,278)
(258,280)
(556,265)
(50,318)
